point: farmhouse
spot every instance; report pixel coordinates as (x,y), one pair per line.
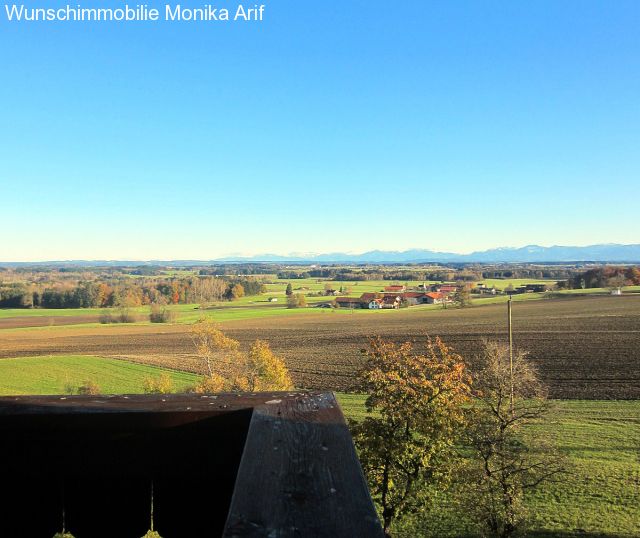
(435,297)
(536,288)
(483,289)
(414,297)
(395,289)
(348,302)
(391,301)
(447,288)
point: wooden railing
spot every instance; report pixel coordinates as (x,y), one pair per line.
(232,465)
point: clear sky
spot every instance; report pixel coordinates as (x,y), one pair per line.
(330,126)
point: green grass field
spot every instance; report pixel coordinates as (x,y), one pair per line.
(601,494)
(50,375)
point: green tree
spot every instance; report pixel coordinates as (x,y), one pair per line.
(408,446)
(462,296)
(289,290)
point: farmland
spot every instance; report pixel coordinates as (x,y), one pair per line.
(585,343)
(584,346)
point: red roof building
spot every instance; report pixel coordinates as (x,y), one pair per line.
(395,288)
(434,297)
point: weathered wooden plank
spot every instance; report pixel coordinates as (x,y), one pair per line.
(299,474)
(224,402)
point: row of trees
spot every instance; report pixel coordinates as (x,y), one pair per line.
(444,427)
(465,273)
(603,277)
(129,292)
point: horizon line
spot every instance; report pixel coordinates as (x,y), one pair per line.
(310,256)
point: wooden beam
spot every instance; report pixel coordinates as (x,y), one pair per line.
(299,474)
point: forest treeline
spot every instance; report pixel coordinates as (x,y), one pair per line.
(444,274)
(127,292)
(608,276)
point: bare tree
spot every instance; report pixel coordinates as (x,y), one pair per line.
(509,458)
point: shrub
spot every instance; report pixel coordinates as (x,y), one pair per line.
(122,316)
(89,387)
(297,300)
(161,314)
(106,317)
(158,385)
(209,384)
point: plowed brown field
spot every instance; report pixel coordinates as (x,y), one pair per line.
(585,347)
(19,322)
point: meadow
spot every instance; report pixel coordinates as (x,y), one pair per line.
(598,497)
(52,375)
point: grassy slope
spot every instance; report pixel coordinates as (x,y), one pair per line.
(601,495)
(49,375)
(602,492)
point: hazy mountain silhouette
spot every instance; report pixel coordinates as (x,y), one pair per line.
(531,253)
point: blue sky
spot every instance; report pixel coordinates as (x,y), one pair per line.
(330,126)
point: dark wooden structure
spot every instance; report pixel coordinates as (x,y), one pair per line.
(233,465)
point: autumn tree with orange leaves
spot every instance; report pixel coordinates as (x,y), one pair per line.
(417,397)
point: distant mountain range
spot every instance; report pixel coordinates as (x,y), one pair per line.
(528,254)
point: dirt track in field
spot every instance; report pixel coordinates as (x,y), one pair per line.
(587,347)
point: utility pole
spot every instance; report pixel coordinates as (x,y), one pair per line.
(510,355)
